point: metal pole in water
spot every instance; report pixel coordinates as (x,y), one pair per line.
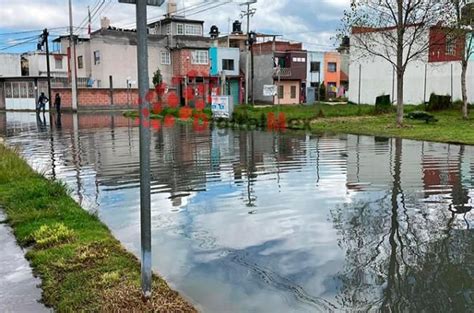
(143,88)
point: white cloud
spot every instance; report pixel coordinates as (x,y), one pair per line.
(311,21)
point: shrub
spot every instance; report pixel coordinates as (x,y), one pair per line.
(383,104)
(438,102)
(322,92)
(47,236)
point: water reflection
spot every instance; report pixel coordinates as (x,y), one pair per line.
(266,222)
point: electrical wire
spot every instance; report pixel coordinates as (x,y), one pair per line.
(20,43)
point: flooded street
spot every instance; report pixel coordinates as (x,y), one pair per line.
(252,221)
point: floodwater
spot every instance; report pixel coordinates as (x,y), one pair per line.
(252,221)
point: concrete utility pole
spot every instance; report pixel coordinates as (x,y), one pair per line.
(48,67)
(145,176)
(72,57)
(145,198)
(248,13)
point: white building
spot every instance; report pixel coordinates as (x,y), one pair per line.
(437,70)
(10,64)
(34,64)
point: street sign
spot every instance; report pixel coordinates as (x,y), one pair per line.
(222,106)
(156,3)
(269,90)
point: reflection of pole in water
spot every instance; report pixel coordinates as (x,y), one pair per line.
(53,159)
(250,166)
(76,156)
(276,151)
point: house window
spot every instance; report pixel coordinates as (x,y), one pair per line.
(96,57)
(58,63)
(165,58)
(281,91)
(80,62)
(293,92)
(227,64)
(193,30)
(315,67)
(180,29)
(200,57)
(332,67)
(299,60)
(450,45)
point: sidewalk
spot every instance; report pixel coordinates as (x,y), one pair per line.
(18,287)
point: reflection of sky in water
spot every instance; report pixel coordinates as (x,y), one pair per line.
(259,222)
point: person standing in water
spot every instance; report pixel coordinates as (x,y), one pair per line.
(42,100)
(57,103)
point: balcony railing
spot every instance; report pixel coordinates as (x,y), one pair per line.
(283,72)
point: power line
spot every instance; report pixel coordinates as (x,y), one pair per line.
(20,43)
(31,31)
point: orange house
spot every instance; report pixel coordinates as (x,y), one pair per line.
(334,75)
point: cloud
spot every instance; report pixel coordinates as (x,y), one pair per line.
(312,21)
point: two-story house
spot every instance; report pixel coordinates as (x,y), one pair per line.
(225,67)
(315,75)
(283,64)
(187,51)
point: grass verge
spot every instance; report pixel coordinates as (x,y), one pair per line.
(356,119)
(81,265)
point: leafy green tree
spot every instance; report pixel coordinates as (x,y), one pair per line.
(157,78)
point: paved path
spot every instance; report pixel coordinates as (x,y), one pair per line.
(18,288)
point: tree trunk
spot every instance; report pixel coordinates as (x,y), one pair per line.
(400,67)
(465,110)
(400,75)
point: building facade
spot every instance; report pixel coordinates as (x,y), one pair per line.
(225,65)
(315,75)
(34,63)
(283,64)
(10,64)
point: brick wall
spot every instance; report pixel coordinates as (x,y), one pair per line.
(182,65)
(97,97)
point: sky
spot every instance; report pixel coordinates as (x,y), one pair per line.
(313,22)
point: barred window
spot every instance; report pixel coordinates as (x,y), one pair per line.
(200,57)
(193,30)
(165,58)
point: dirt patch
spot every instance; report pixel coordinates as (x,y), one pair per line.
(126,297)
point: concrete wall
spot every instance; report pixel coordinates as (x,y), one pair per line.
(287,99)
(263,75)
(10,64)
(378,78)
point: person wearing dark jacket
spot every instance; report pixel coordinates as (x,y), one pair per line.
(57,103)
(42,100)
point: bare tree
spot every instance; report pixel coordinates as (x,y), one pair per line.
(395,30)
(462,29)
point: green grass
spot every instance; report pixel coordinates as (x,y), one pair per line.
(358,119)
(81,265)
(450,128)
